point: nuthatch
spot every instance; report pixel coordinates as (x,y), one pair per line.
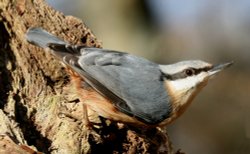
(128,88)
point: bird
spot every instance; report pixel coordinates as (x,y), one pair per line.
(128,88)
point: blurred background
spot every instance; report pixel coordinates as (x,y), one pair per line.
(167,31)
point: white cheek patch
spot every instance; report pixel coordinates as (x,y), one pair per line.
(184,84)
(187,83)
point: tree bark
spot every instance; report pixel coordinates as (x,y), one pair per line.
(39,111)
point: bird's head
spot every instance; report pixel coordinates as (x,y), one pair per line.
(183,81)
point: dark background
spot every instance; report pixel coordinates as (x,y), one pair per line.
(167,31)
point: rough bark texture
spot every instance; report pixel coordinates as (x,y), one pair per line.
(39,111)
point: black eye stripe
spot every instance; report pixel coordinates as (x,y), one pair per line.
(183,74)
(197,71)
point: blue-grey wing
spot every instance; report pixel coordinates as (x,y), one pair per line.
(135,81)
(133,84)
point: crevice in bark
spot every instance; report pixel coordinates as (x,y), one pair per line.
(113,138)
(28,128)
(5,58)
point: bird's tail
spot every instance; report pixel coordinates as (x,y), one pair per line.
(42,38)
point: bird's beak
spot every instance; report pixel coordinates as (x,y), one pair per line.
(217,68)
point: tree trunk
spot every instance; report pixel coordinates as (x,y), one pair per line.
(39,111)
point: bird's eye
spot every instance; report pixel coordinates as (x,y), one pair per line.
(189,72)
